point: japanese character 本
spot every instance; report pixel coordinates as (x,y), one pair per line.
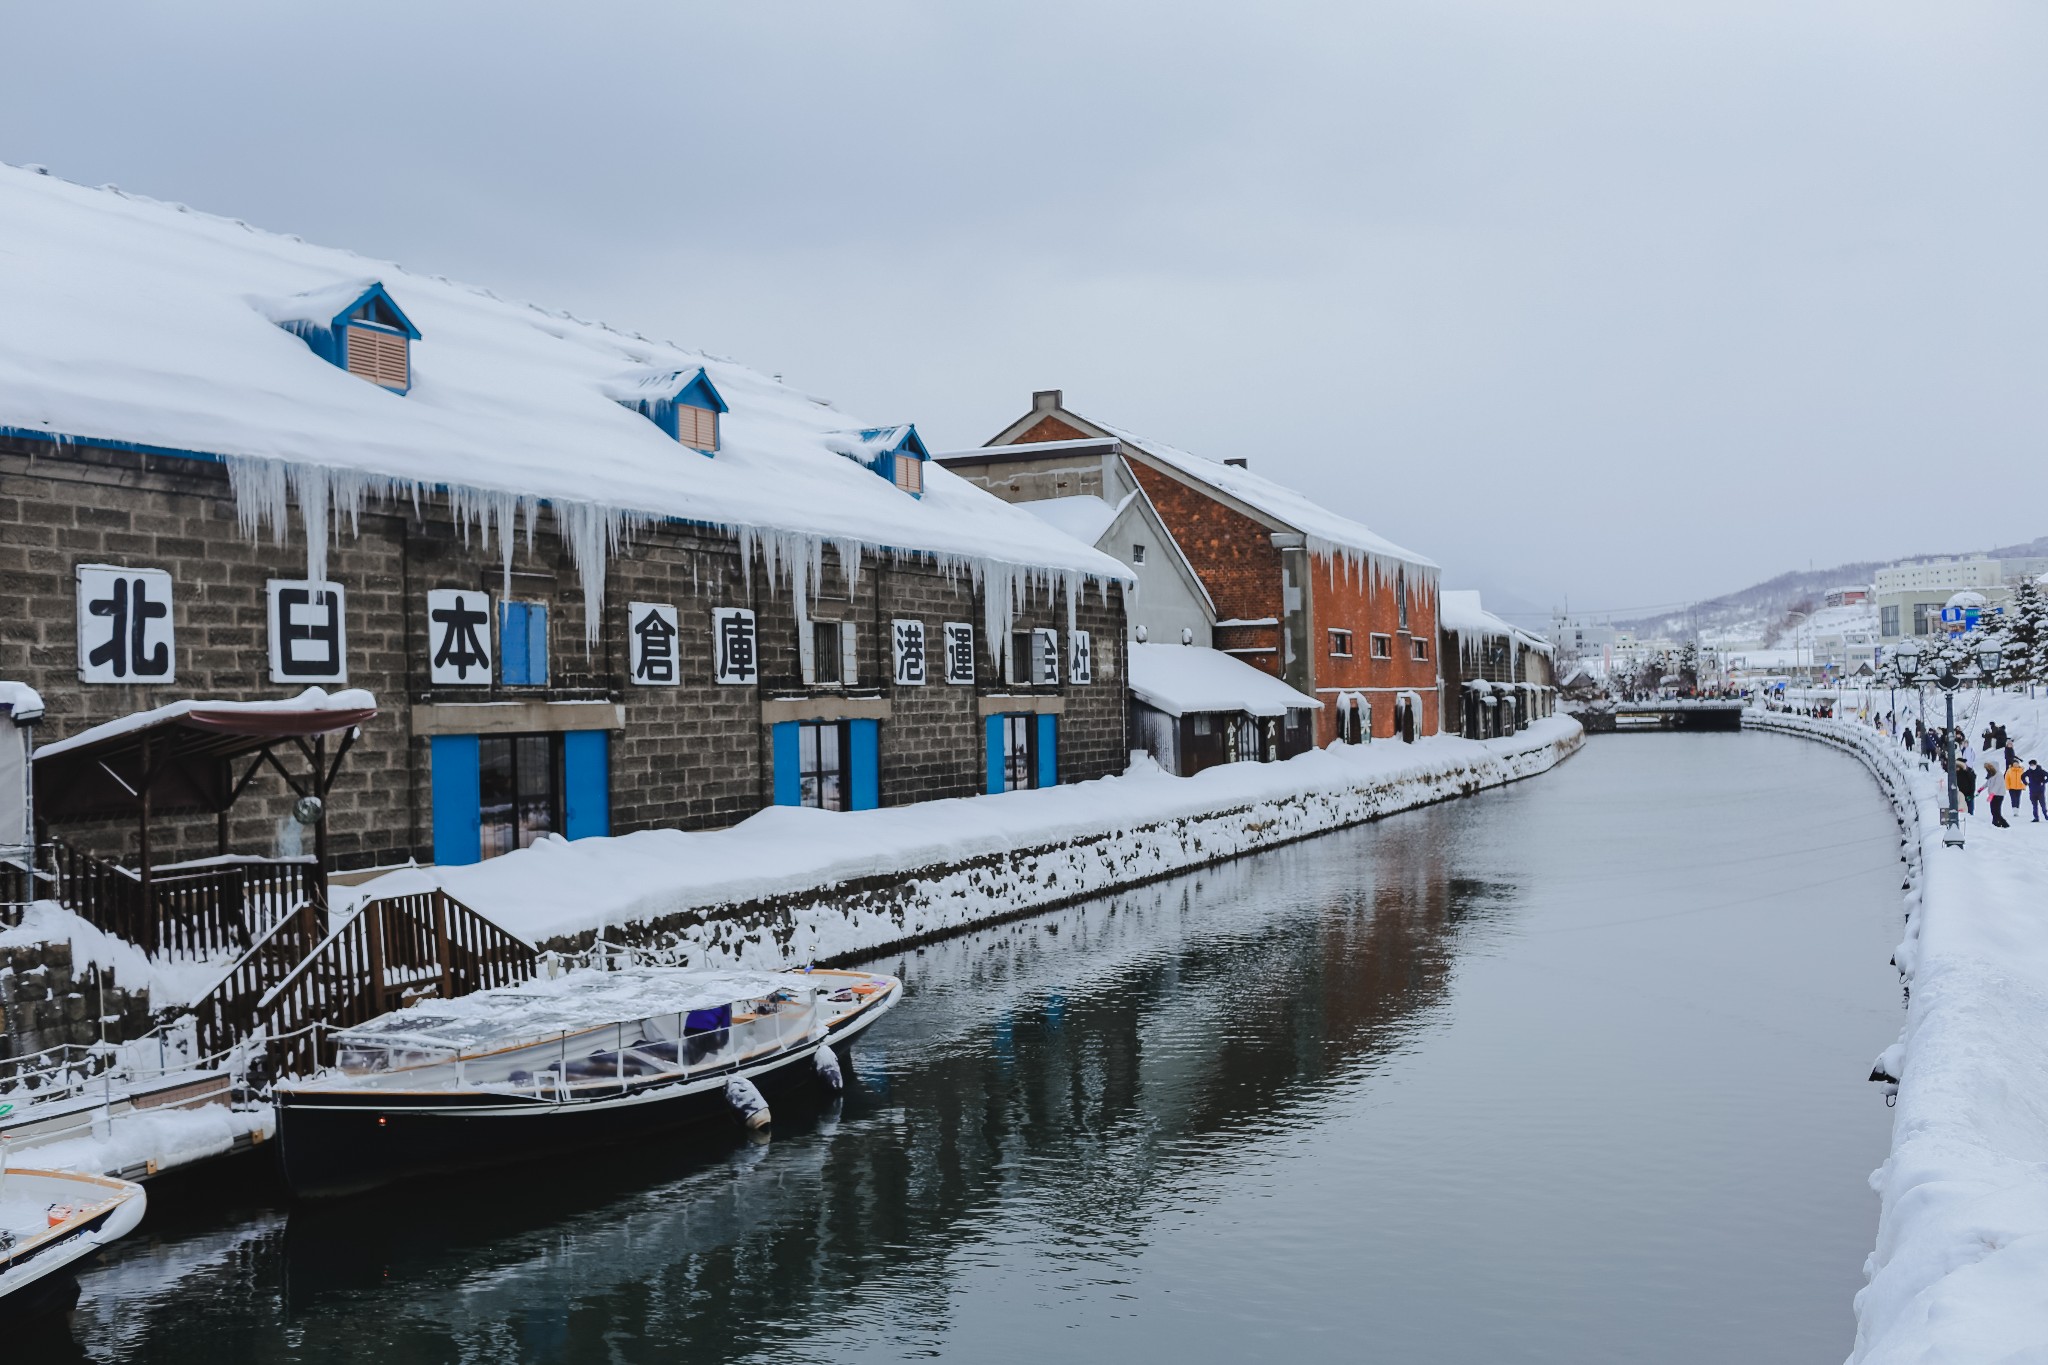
(460,622)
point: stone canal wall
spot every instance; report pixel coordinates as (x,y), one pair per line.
(841,887)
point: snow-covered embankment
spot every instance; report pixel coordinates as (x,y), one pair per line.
(792,885)
(1962,1238)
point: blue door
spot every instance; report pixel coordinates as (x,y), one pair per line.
(865,763)
(994,746)
(457,814)
(1048,751)
(586,784)
(787,772)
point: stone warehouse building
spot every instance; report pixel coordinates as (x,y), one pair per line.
(1311,597)
(1497,677)
(596,583)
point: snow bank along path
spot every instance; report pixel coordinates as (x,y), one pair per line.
(1962,1235)
(792,885)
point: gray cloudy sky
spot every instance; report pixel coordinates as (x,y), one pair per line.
(1631,302)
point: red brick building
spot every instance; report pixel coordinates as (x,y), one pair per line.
(1310,596)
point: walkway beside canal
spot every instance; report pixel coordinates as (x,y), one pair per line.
(792,885)
(1962,1241)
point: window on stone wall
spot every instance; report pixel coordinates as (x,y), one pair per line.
(1340,644)
(1418,648)
(1382,646)
(1137,554)
(1401,596)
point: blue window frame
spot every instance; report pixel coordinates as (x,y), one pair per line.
(523,644)
(828,764)
(1023,751)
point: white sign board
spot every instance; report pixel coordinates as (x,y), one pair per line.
(459,637)
(735,648)
(1080,658)
(959,653)
(1045,658)
(907,638)
(652,639)
(125,632)
(308,632)
(17,824)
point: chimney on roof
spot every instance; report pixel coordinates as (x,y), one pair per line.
(1045,400)
(1237,464)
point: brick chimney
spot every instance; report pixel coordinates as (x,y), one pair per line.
(1045,400)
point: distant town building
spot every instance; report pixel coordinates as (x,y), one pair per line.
(1309,596)
(1910,594)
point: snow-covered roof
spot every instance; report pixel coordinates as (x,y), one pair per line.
(313,699)
(140,322)
(1178,679)
(1085,518)
(1328,533)
(20,701)
(577,1000)
(1459,609)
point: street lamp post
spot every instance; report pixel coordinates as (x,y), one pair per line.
(1948,678)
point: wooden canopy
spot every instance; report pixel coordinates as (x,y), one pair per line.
(184,758)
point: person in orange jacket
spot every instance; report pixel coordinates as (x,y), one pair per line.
(2015,782)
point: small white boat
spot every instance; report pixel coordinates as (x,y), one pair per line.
(51,1219)
(591,1057)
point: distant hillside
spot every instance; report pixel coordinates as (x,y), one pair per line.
(1766,602)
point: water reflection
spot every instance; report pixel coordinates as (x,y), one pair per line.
(1073,1058)
(1272,1088)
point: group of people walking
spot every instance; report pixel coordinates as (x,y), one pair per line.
(2005,778)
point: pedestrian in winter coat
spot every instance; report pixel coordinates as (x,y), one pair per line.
(1966,783)
(1997,793)
(2015,780)
(2037,789)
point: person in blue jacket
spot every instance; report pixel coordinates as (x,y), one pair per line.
(2037,788)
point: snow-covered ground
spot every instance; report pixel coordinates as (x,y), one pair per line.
(1962,1248)
(792,885)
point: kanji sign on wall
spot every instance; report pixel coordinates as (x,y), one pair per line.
(1080,657)
(735,655)
(459,637)
(652,644)
(125,630)
(907,637)
(959,652)
(1045,662)
(308,632)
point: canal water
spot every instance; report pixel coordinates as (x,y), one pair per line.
(1571,1071)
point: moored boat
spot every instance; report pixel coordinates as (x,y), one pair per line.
(585,1058)
(49,1220)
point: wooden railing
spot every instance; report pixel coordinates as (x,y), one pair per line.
(394,951)
(227,1014)
(191,909)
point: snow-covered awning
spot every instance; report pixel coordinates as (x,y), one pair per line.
(1179,679)
(180,753)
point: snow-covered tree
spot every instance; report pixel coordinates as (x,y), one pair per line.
(2023,634)
(1689,665)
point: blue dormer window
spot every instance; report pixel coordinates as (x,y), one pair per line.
(357,326)
(683,403)
(896,453)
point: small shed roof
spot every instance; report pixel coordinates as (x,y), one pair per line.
(100,773)
(1179,679)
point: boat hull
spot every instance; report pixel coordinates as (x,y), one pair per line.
(30,1273)
(340,1142)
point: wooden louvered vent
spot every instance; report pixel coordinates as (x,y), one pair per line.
(379,356)
(697,427)
(910,473)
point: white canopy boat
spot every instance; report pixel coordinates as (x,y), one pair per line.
(51,1219)
(588,1057)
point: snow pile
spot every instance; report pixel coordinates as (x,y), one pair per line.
(172,981)
(146,324)
(1962,1243)
(138,1142)
(1178,679)
(20,701)
(1084,518)
(792,885)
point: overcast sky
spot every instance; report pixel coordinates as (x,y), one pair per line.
(1634,303)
